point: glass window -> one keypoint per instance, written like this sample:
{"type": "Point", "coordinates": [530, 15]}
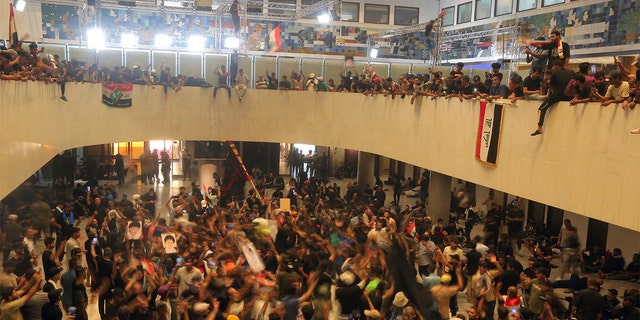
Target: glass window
{"type": "Point", "coordinates": [447, 20]}
{"type": "Point", "coordinates": [376, 13]}
{"type": "Point", "coordinates": [464, 12]}
{"type": "Point", "coordinates": [405, 16]}
{"type": "Point", "coordinates": [350, 12]}
{"type": "Point", "coordinates": [524, 5]}
{"type": "Point", "coordinates": [504, 7]}
{"type": "Point", "coordinates": [551, 2]}
{"type": "Point", "coordinates": [483, 9]}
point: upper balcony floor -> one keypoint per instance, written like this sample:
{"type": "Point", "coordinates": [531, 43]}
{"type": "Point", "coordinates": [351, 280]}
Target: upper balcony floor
{"type": "Point", "coordinates": [585, 162]}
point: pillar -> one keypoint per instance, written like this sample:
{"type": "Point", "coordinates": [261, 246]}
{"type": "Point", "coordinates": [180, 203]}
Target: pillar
{"type": "Point", "coordinates": [439, 196]}
{"type": "Point", "coordinates": [366, 169]}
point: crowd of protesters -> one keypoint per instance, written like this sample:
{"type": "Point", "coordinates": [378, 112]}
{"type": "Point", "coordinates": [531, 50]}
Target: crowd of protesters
{"type": "Point", "coordinates": [578, 87]}
{"type": "Point", "coordinates": [327, 255]}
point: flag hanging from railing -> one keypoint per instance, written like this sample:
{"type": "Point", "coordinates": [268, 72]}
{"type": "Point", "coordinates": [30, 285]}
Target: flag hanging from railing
{"type": "Point", "coordinates": [489, 129]}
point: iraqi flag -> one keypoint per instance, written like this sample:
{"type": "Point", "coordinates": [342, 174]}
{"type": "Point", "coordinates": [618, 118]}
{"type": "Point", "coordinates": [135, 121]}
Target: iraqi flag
{"type": "Point", "coordinates": [13, 32]}
{"type": "Point", "coordinates": [489, 130]}
{"type": "Point", "coordinates": [275, 40]}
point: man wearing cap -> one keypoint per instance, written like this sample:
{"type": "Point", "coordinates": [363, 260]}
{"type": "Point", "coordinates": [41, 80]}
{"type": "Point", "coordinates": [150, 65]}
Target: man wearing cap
{"type": "Point", "coordinates": [610, 302]}
{"type": "Point", "coordinates": [110, 309]}
{"type": "Point", "coordinates": [51, 310]}
{"type": "Point", "coordinates": [52, 276]}
{"type": "Point", "coordinates": [399, 302]}
{"type": "Point", "coordinates": [200, 310]}
{"type": "Point", "coordinates": [349, 293]}
{"type": "Point", "coordinates": [443, 292]}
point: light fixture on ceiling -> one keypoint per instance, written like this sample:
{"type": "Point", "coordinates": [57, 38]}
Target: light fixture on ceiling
{"type": "Point", "coordinates": [162, 41]}
{"type": "Point", "coordinates": [95, 39]}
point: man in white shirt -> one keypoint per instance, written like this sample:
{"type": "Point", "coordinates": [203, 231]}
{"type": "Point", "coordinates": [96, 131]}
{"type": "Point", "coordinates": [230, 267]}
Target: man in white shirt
{"type": "Point", "coordinates": [617, 92]}
{"type": "Point", "coordinates": [424, 254]}
{"type": "Point", "coordinates": [377, 233]}
{"type": "Point", "coordinates": [72, 243]}
{"type": "Point", "coordinates": [481, 247]}
{"type": "Point", "coordinates": [453, 249]}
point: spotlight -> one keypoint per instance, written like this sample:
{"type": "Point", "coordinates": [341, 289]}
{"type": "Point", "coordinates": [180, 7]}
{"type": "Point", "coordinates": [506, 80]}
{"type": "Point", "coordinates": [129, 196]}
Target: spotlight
{"type": "Point", "coordinates": [20, 4]}
{"type": "Point", "coordinates": [373, 53]}
{"type": "Point", "coordinates": [162, 41]}
{"type": "Point", "coordinates": [231, 43]}
{"type": "Point", "coordinates": [324, 18]}
{"type": "Point", "coordinates": [129, 40]}
{"type": "Point", "coordinates": [95, 39]}
{"type": "Point", "coordinates": [196, 43]}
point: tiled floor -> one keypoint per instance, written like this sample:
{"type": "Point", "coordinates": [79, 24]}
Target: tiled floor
{"type": "Point", "coordinates": [164, 192]}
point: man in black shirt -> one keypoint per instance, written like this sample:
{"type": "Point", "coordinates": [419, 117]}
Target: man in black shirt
{"type": "Point", "coordinates": [52, 276]}
{"type": "Point", "coordinates": [223, 80]}
{"type": "Point", "coordinates": [51, 310]}
{"type": "Point", "coordinates": [558, 49]}
{"type": "Point", "coordinates": [284, 84]}
{"type": "Point", "coordinates": [235, 15]}
{"type": "Point", "coordinates": [273, 81]}
{"type": "Point", "coordinates": [583, 91]}
{"type": "Point", "coordinates": [532, 84]}
{"type": "Point", "coordinates": [587, 304]}
{"type": "Point", "coordinates": [560, 78]}
{"type": "Point", "coordinates": [149, 200]}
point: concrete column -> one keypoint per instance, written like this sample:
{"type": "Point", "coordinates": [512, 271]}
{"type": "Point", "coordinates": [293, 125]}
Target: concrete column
{"type": "Point", "coordinates": [439, 196]}
{"type": "Point", "coordinates": [366, 163]}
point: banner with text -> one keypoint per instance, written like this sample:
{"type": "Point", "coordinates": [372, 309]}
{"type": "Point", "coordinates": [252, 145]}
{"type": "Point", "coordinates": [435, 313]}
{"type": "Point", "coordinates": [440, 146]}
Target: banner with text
{"type": "Point", "coordinates": [489, 127]}
{"type": "Point", "coordinates": [117, 94]}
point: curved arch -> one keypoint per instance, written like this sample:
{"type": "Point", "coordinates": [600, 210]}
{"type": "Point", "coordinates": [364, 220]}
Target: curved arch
{"type": "Point", "coordinates": [583, 162]}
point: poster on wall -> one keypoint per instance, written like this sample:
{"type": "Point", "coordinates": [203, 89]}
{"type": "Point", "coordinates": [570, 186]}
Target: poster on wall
{"type": "Point", "coordinates": [489, 129]}
{"type": "Point", "coordinates": [117, 94]}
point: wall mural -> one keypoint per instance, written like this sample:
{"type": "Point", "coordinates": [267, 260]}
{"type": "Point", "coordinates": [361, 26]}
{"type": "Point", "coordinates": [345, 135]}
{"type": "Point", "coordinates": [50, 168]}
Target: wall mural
{"type": "Point", "coordinates": [608, 23]}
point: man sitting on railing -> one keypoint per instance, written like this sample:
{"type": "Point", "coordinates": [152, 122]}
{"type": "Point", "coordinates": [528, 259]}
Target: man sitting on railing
{"type": "Point", "coordinates": [560, 78]}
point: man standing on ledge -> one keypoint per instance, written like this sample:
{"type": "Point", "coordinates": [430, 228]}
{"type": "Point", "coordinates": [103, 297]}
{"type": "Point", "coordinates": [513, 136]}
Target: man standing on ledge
{"type": "Point", "coordinates": [560, 78]}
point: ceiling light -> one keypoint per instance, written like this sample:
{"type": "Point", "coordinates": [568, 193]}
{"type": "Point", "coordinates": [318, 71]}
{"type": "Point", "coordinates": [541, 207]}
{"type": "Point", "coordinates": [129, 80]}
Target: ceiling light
{"type": "Point", "coordinates": [95, 39]}
{"type": "Point", "coordinates": [231, 43]}
{"type": "Point", "coordinates": [324, 18]}
{"type": "Point", "coordinates": [162, 41]}
{"type": "Point", "coordinates": [20, 4]}
{"type": "Point", "coordinates": [129, 40]}
{"type": "Point", "coordinates": [196, 43]}
{"type": "Point", "coordinates": [373, 53]}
